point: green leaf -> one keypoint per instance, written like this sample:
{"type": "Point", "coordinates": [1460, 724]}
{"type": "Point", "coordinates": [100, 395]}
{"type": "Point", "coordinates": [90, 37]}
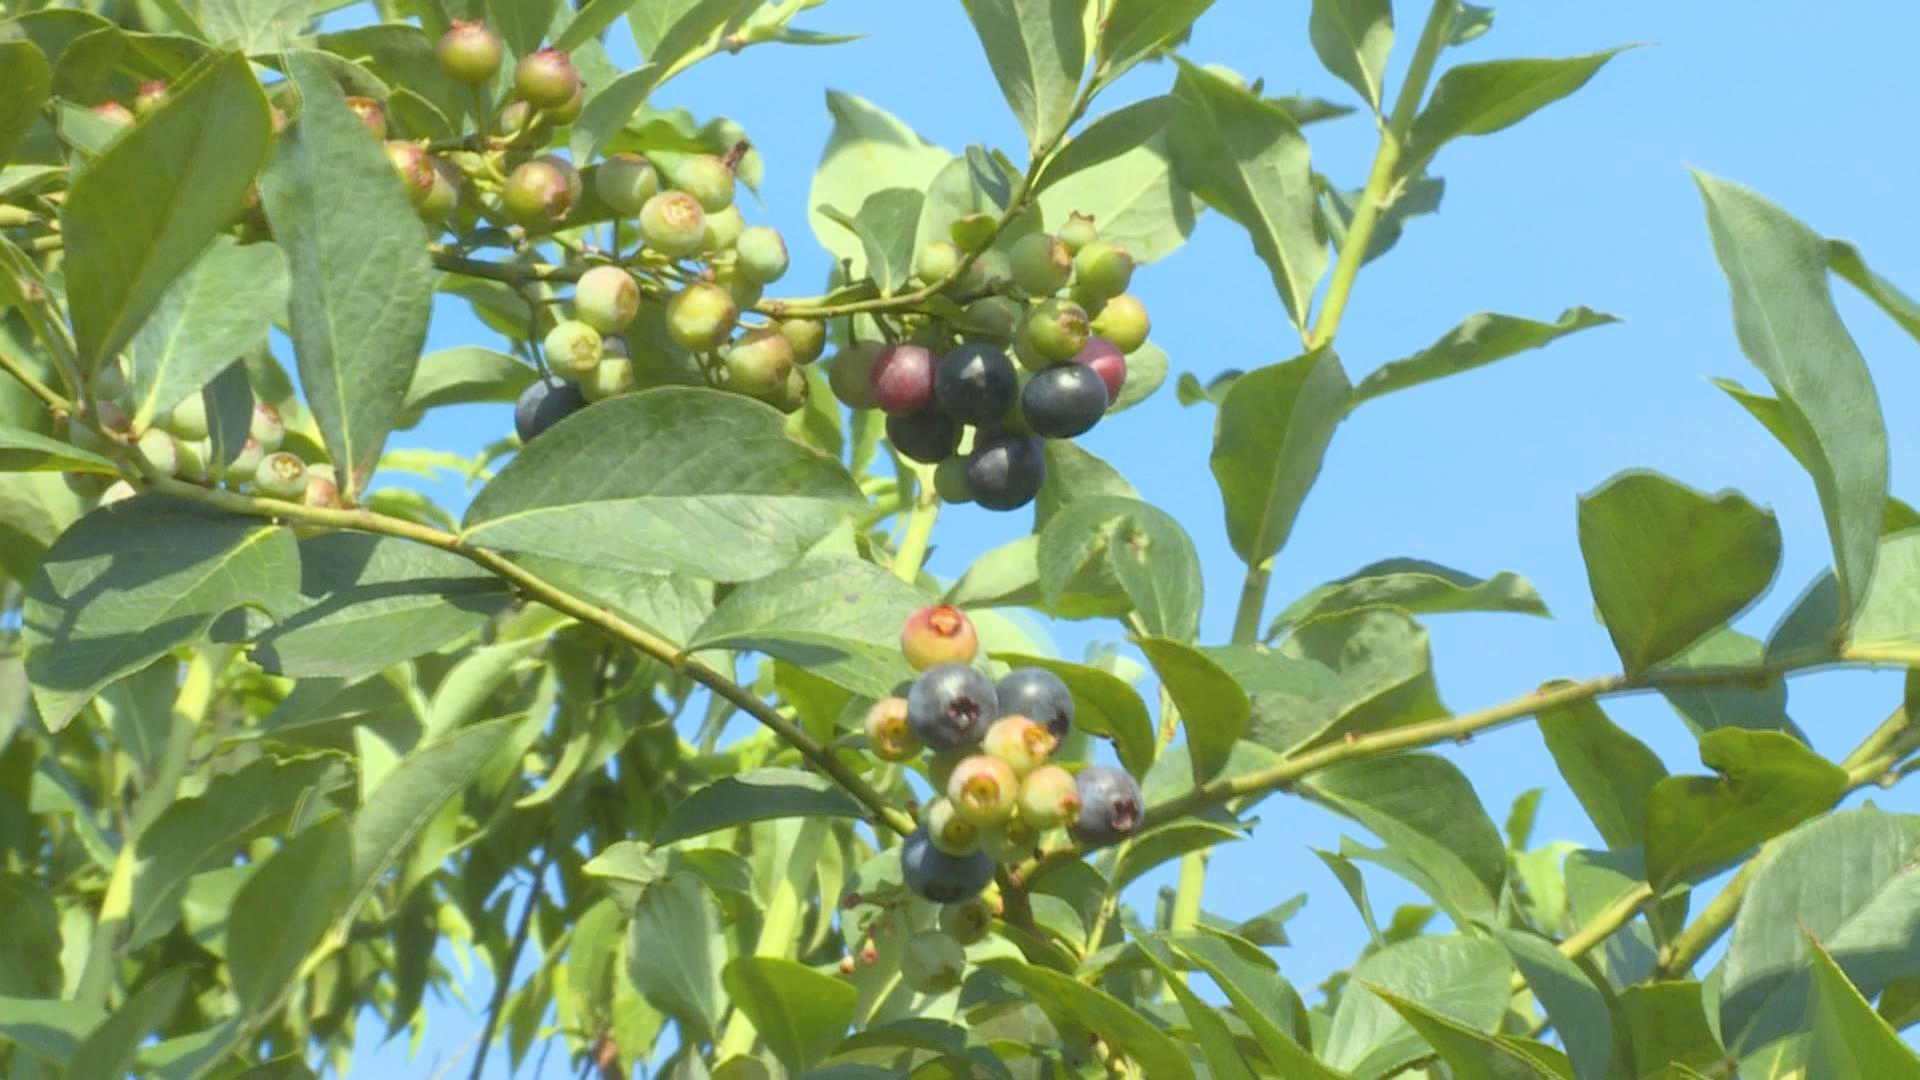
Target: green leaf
{"type": "Point", "coordinates": [1416, 196]}
{"type": "Point", "coordinates": [1665, 1025]}
{"type": "Point", "coordinates": [1461, 978]}
{"type": "Point", "coordinates": [1424, 809]}
{"type": "Point", "coordinates": [1846, 261]}
{"type": "Point", "coordinates": [1888, 623]}
{"type": "Point", "coordinates": [1248, 160]}
{"type": "Point", "coordinates": [1260, 1000]}
{"type": "Point", "coordinates": [370, 602]}
{"type": "Point", "coordinates": [1074, 473]}
{"type": "Point", "coordinates": [1147, 551]}
{"type": "Point", "coordinates": [131, 582]}
{"type": "Point", "coordinates": [1768, 783]}
{"type": "Point", "coordinates": [1848, 1038]}
{"type": "Point", "coordinates": [757, 795]}
{"type": "Point", "coordinates": [30, 451]}
{"type": "Point", "coordinates": [1784, 317]}
{"type": "Point", "coordinates": [362, 283]}
{"type": "Point", "coordinates": [1120, 171]}
{"type": "Point", "coordinates": [284, 909]}
{"type": "Point", "coordinates": [144, 210]}
{"type": "Point", "coordinates": [522, 24]}
{"type": "Point", "coordinates": [594, 16]}
{"type": "Point", "coordinates": [463, 375]}
{"type": "Point", "coordinates": [1355, 672]}
{"type": "Point", "coordinates": [1413, 585]}
{"type": "Point", "coordinates": [1847, 880]}
{"type": "Point", "coordinates": [1213, 709]}
{"type": "Point", "coordinates": [109, 1049]}
{"type": "Point", "coordinates": [1479, 340]}
{"type": "Point", "coordinates": [1479, 99]}
{"type": "Point", "coordinates": [1009, 576]}
{"type": "Point", "coordinates": [48, 1028]}
{"type": "Point", "coordinates": [868, 151]}
{"type": "Point", "coordinates": [1103, 704]}
{"type": "Point", "coordinates": [1352, 39]}
{"type": "Point", "coordinates": [1067, 1000]}
{"type": "Point", "coordinates": [1268, 443]}
{"type": "Point", "coordinates": [29, 943]}
{"type": "Point", "coordinates": [1577, 1006]}
{"type": "Point", "coordinates": [691, 481]}
{"type": "Point", "coordinates": [1209, 1028]}
{"type": "Point", "coordinates": [886, 225]}
{"type": "Point", "coordinates": [1146, 371]}
{"type": "Point", "coordinates": [1644, 536]}
{"type": "Point", "coordinates": [800, 1012]}
{"type": "Point", "coordinates": [29, 80]}
{"type": "Point", "coordinates": [1707, 707]}
{"type": "Point", "coordinates": [1136, 30]}
{"type": "Point", "coordinates": [1164, 843]}
{"type": "Point", "coordinates": [836, 616]}
{"type": "Point", "coordinates": [1610, 771]}
{"type": "Point", "coordinates": [676, 951]}
{"type": "Point", "coordinates": [428, 777]}
{"type": "Point", "coordinates": [1472, 1054]}
{"type": "Point", "coordinates": [220, 308]}
{"type": "Point", "coordinates": [1038, 51]}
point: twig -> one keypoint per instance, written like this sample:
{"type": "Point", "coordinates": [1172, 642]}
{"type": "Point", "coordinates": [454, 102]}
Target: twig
{"type": "Point", "coordinates": [503, 977]}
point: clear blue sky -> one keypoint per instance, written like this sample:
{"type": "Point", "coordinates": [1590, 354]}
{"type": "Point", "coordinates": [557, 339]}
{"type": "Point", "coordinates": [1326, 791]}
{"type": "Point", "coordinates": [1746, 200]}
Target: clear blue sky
{"type": "Point", "coordinates": [1587, 203]}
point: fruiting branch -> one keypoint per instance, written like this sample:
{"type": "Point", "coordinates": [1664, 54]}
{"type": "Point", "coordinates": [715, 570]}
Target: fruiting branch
{"type": "Point", "coordinates": [45, 393]}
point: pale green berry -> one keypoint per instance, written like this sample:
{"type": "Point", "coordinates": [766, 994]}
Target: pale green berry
{"type": "Point", "coordinates": [724, 228]}
{"type": "Point", "coordinates": [281, 475]}
{"type": "Point", "coordinates": [701, 316]}
{"type": "Point", "coordinates": [573, 349]}
{"type": "Point", "coordinates": [674, 224]}
{"type": "Point", "coordinates": [160, 450]}
{"type": "Point", "coordinates": [1124, 322]}
{"type": "Point", "coordinates": [807, 336]}
{"type": "Point", "coordinates": [625, 182]}
{"type": "Point", "coordinates": [759, 363]}
{"type": "Point", "coordinates": [936, 261]}
{"type": "Point", "coordinates": [1078, 232]}
{"type": "Point", "coordinates": [1103, 269]}
{"type": "Point", "coordinates": [613, 375]}
{"type": "Point", "coordinates": [1040, 264]}
{"type": "Point", "coordinates": [188, 420]}
{"type": "Point", "coordinates": [606, 298]}
{"type": "Point", "coordinates": [762, 252]}
{"type": "Point", "coordinates": [706, 178]}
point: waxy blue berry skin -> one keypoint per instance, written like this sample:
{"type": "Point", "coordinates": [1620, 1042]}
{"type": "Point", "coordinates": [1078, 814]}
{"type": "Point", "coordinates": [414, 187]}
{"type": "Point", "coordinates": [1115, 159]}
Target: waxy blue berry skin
{"type": "Point", "coordinates": [1038, 694]}
{"type": "Point", "coordinates": [976, 384]}
{"type": "Point", "coordinates": [950, 706]}
{"type": "Point", "coordinates": [1110, 805]}
{"type": "Point", "coordinates": [1064, 401]}
{"type": "Point", "coordinates": [1005, 470]}
{"type": "Point", "coordinates": [928, 436]}
{"type": "Point", "coordinates": [544, 404]}
{"type": "Point", "coordinates": [938, 876]}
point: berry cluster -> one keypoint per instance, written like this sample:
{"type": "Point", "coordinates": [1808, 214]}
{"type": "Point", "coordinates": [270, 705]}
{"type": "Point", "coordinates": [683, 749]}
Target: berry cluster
{"type": "Point", "coordinates": [1061, 301]}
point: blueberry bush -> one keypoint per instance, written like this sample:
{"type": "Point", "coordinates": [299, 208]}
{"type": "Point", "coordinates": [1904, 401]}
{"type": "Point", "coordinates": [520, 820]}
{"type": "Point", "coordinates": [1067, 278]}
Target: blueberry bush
{"type": "Point", "coordinates": [287, 750]}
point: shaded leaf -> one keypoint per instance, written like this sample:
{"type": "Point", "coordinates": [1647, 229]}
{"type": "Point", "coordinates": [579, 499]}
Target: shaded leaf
{"type": "Point", "coordinates": [221, 308]}
{"type": "Point", "coordinates": [29, 80]}
{"type": "Point", "coordinates": [284, 909]}
{"type": "Point", "coordinates": [836, 616]}
{"type": "Point", "coordinates": [1847, 262]}
{"type": "Point", "coordinates": [1461, 978]}
{"type": "Point", "coordinates": [1576, 1006]}
{"type": "Point", "coordinates": [1472, 1054]}
{"type": "Point", "coordinates": [1610, 771]}
{"type": "Point", "coordinates": [1214, 710]}
{"type": "Point", "coordinates": [1664, 1024]}
{"type": "Point", "coordinates": [675, 952]}
{"type": "Point", "coordinates": [109, 1049]}
{"type": "Point", "coordinates": [1261, 1000]}
{"type": "Point", "coordinates": [1768, 783]}
{"type": "Point", "coordinates": [1145, 549]}
{"type": "Point", "coordinates": [1209, 1028]}
{"type": "Point", "coordinates": [1848, 1038]}
{"type": "Point", "coordinates": [463, 375]}
{"type": "Point", "coordinates": [1135, 30]}
{"type": "Point", "coordinates": [868, 150]}
{"type": "Point", "coordinates": [1119, 170]}
{"type": "Point", "coordinates": [1479, 340]}
{"type": "Point", "coordinates": [886, 224]}
{"type": "Point", "coordinates": [1355, 672]}
{"type": "Point", "coordinates": [758, 795]}
{"type": "Point", "coordinates": [30, 451]}
{"type": "Point", "coordinates": [1066, 999]}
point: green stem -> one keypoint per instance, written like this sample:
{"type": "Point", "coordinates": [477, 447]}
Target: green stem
{"type": "Point", "coordinates": [778, 926]}
{"type": "Point", "coordinates": [503, 978]}
{"type": "Point", "coordinates": [53, 399]}
{"type": "Point", "coordinates": [913, 543]}
{"type": "Point", "coordinates": [1253, 601]}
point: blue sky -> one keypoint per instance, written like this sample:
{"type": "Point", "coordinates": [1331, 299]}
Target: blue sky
{"type": "Point", "coordinates": [1587, 203]}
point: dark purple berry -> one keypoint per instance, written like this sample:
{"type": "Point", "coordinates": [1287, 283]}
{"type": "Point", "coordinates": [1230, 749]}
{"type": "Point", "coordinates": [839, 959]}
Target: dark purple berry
{"type": "Point", "coordinates": [1110, 806]}
{"type": "Point", "coordinates": [928, 436]}
{"type": "Point", "coordinates": [1039, 694]}
{"type": "Point", "coordinates": [1063, 401]}
{"type": "Point", "coordinates": [544, 404]}
{"type": "Point", "coordinates": [976, 384]}
{"type": "Point", "coordinates": [938, 876]}
{"type": "Point", "coordinates": [902, 378]}
{"type": "Point", "coordinates": [950, 706]}
{"type": "Point", "coordinates": [1005, 471]}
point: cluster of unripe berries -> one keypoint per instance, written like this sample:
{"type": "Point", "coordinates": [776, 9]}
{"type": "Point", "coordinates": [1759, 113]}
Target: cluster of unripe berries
{"type": "Point", "coordinates": [996, 791]}
{"type": "Point", "coordinates": [1061, 303]}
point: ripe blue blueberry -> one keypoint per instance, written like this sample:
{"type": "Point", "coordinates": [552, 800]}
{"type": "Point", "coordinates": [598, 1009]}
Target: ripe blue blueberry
{"type": "Point", "coordinates": [1037, 693]}
{"type": "Point", "coordinates": [1005, 470]}
{"type": "Point", "coordinates": [545, 404]}
{"type": "Point", "coordinates": [950, 706]}
{"type": "Point", "coordinates": [1064, 401]}
{"type": "Point", "coordinates": [928, 436]}
{"type": "Point", "coordinates": [976, 384]}
{"type": "Point", "coordinates": [1110, 805]}
{"type": "Point", "coordinates": [938, 876]}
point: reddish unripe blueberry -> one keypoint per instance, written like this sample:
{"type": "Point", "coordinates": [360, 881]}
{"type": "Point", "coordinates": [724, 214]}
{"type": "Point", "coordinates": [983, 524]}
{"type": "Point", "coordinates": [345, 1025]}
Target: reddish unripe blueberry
{"type": "Point", "coordinates": [371, 113]}
{"type": "Point", "coordinates": [758, 364]}
{"type": "Point", "coordinates": [723, 229]}
{"type": "Point", "coordinates": [949, 831]}
{"type": "Point", "coordinates": [1103, 269]}
{"type": "Point", "coordinates": [674, 224]}
{"type": "Point", "coordinates": [966, 921]}
{"type": "Point", "coordinates": [846, 965]}
{"type": "Point", "coordinates": [281, 475]}
{"type": "Point", "coordinates": [573, 349]}
{"type": "Point", "coordinates": [538, 194]}
{"type": "Point", "coordinates": [701, 316]}
{"type": "Point", "coordinates": [938, 876]}
{"type": "Point", "coordinates": [113, 112]}
{"type": "Point", "coordinates": [1009, 843]}
{"type": "Point", "coordinates": [149, 96]}
{"type": "Point", "coordinates": [415, 169]}
{"type": "Point", "coordinates": [1110, 805]}
{"type": "Point", "coordinates": [323, 487]}
{"type": "Point", "coordinates": [625, 182]}
{"type": "Point", "coordinates": [1019, 741]}
{"type": "Point", "coordinates": [606, 298]}
{"type": "Point", "coordinates": [983, 789]}
{"type": "Point", "coordinates": [933, 963]}
{"type": "Point", "coordinates": [545, 77]}
{"type": "Point", "coordinates": [1108, 361]}
{"type": "Point", "coordinates": [869, 954]}
{"type": "Point", "coordinates": [468, 52]}
{"type": "Point", "coordinates": [1049, 797]}
{"type": "Point", "coordinates": [611, 377]}
{"type": "Point", "coordinates": [707, 178]}
{"type": "Point", "coordinates": [1040, 264]}
{"type": "Point", "coordinates": [1123, 321]}
{"type": "Point", "coordinates": [888, 734]}
{"type": "Point", "coordinates": [938, 634]}
{"type": "Point", "coordinates": [928, 436]}
{"type": "Point", "coordinates": [762, 252]}
{"type": "Point", "coordinates": [807, 336]}
{"type": "Point", "coordinates": [1056, 329]}
{"type": "Point", "coordinates": [850, 374]}
{"type": "Point", "coordinates": [903, 377]}
{"type": "Point", "coordinates": [1078, 232]}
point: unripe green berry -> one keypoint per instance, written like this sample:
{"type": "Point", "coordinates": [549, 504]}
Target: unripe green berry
{"type": "Point", "coordinates": [195, 460]}
{"type": "Point", "coordinates": [1078, 232]}
{"type": "Point", "coordinates": [524, 124]}
{"type": "Point", "coordinates": [950, 481]}
{"type": "Point", "coordinates": [933, 963]}
{"type": "Point", "coordinates": [673, 224]}
{"type": "Point", "coordinates": [538, 194]}
{"type": "Point", "coordinates": [625, 182]}
{"type": "Point", "coordinates": [723, 229]}
{"type": "Point", "coordinates": [701, 316]}
{"type": "Point", "coordinates": [995, 315]}
{"type": "Point", "coordinates": [266, 427]}
{"type": "Point", "coordinates": [708, 179]}
{"type": "Point", "coordinates": [936, 261]}
{"type": "Point", "coordinates": [849, 374]}
{"type": "Point", "coordinates": [1009, 843]}
{"type": "Point", "coordinates": [745, 291]}
{"type": "Point", "coordinates": [573, 349]}
{"type": "Point", "coordinates": [1040, 264]}
{"type": "Point", "coordinates": [762, 252]}
{"type": "Point", "coordinates": [1048, 798]}
{"type": "Point", "coordinates": [160, 451]}
{"type": "Point", "coordinates": [1103, 269]}
{"type": "Point", "coordinates": [983, 790]}
{"type": "Point", "coordinates": [606, 298]}
{"type": "Point", "coordinates": [281, 475]}
{"type": "Point", "coordinates": [443, 198]}
{"type": "Point", "coordinates": [1020, 742]}
{"type": "Point", "coordinates": [758, 364]}
{"type": "Point", "coordinates": [967, 921]}
{"type": "Point", "coordinates": [794, 396]}
{"type": "Point", "coordinates": [117, 492]}
{"type": "Point", "coordinates": [149, 96]}
{"type": "Point", "coordinates": [545, 77]}
{"type": "Point", "coordinates": [241, 468]}
{"type": "Point", "coordinates": [808, 337]}
{"type": "Point", "coordinates": [371, 113]}
{"type": "Point", "coordinates": [188, 420]}
{"type": "Point", "coordinates": [1056, 329]}
{"type": "Point", "coordinates": [949, 831]}
{"type": "Point", "coordinates": [889, 735]}
{"type": "Point", "coordinates": [468, 52]}
{"type": "Point", "coordinates": [1124, 322]}
{"type": "Point", "coordinates": [415, 169]}
{"type": "Point", "coordinates": [570, 111]}
{"type": "Point", "coordinates": [576, 188]}
{"type": "Point", "coordinates": [611, 376]}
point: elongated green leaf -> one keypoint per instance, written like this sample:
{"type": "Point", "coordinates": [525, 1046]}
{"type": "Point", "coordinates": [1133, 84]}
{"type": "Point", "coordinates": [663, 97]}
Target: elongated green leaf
{"type": "Point", "coordinates": [128, 583]}
{"type": "Point", "coordinates": [144, 210]}
{"type": "Point", "coordinates": [1577, 1007]}
{"type": "Point", "coordinates": [1248, 160]}
{"type": "Point", "coordinates": [29, 942]}
{"type": "Point", "coordinates": [1145, 549]}
{"type": "Point", "coordinates": [48, 1028]}
{"type": "Point", "coordinates": [1038, 51]}
{"type": "Point", "coordinates": [1461, 978]}
{"type": "Point", "coordinates": [1850, 880]}
{"type": "Point", "coordinates": [869, 150]}
{"type": "Point", "coordinates": [1425, 810]}
{"type": "Point", "coordinates": [220, 308]}
{"type": "Point", "coordinates": [1135, 30]}
{"type": "Point", "coordinates": [692, 481]}
{"type": "Point", "coordinates": [1103, 704]}
{"type": "Point", "coordinates": [1067, 999]}
{"type": "Point", "coordinates": [1164, 843]}
{"type": "Point", "coordinates": [758, 795]}
{"type": "Point", "coordinates": [1214, 710]}
{"type": "Point", "coordinates": [29, 80]}
{"type": "Point", "coordinates": [464, 375]}
{"type": "Point", "coordinates": [1479, 99]}
{"type": "Point", "coordinates": [1352, 39]}
{"type": "Point", "coordinates": [1480, 340]}
{"type": "Point", "coordinates": [1643, 535]}
{"type": "Point", "coordinates": [1009, 576]}
{"type": "Point", "coordinates": [1414, 585]}
{"type": "Point", "coordinates": [1848, 1038]}
{"type": "Point", "coordinates": [1363, 670]}
{"type": "Point", "coordinates": [1260, 1000]}
{"type": "Point", "coordinates": [1768, 783]}
{"type": "Point", "coordinates": [1472, 1054]}
{"type": "Point", "coordinates": [886, 224]}
{"type": "Point", "coordinates": [1210, 1029]}
{"type": "Point", "coordinates": [109, 1049]}
{"type": "Point", "coordinates": [800, 1012]}
{"type": "Point", "coordinates": [1416, 196]}
{"type": "Point", "coordinates": [1707, 707]}
{"type": "Point", "coordinates": [676, 953]}
{"type": "Point", "coordinates": [836, 616]}
{"type": "Point", "coordinates": [1269, 441]}
{"type": "Point", "coordinates": [370, 602]}
{"type": "Point", "coordinates": [1073, 474]}
{"type": "Point", "coordinates": [1784, 317]}
{"type": "Point", "coordinates": [1888, 624]}
{"type": "Point", "coordinates": [1847, 262]}
{"type": "Point", "coordinates": [1120, 172]}
{"type": "Point", "coordinates": [522, 24]}
{"type": "Point", "coordinates": [1610, 771]}
{"type": "Point", "coordinates": [30, 451]}
{"type": "Point", "coordinates": [1664, 1024]}
{"type": "Point", "coordinates": [362, 283]}
{"type": "Point", "coordinates": [283, 910]}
